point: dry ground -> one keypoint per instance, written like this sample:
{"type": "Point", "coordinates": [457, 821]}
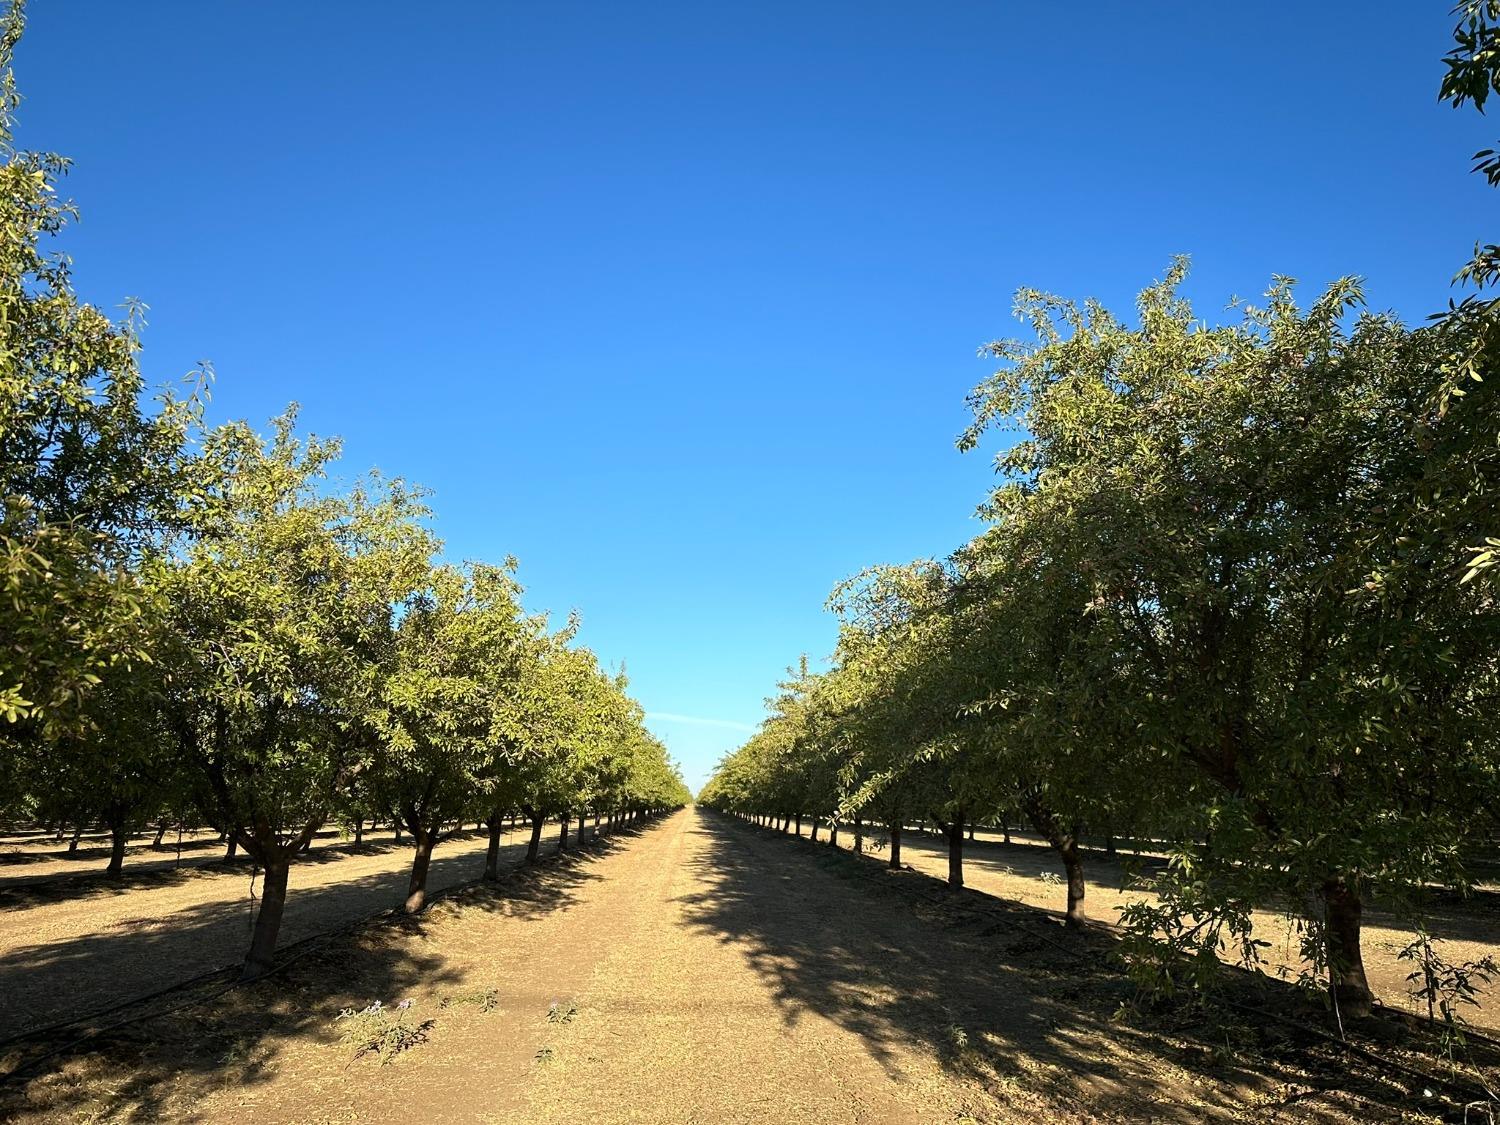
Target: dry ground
{"type": "Point", "coordinates": [71, 946]}
{"type": "Point", "coordinates": [1464, 930]}
{"type": "Point", "coordinates": [707, 971]}
{"type": "Point", "coordinates": [35, 857]}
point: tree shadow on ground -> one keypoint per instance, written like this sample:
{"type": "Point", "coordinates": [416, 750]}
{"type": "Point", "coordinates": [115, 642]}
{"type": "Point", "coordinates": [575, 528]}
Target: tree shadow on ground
{"type": "Point", "coordinates": [997, 990]}
{"type": "Point", "coordinates": [49, 980]}
{"type": "Point", "coordinates": [208, 1037]}
{"type": "Point", "coordinates": [1474, 916]}
{"type": "Point", "coordinates": [148, 867]}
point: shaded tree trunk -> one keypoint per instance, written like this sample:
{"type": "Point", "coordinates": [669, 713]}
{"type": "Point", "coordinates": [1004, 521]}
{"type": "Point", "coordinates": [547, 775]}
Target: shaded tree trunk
{"type": "Point", "coordinates": [118, 837]}
{"type": "Point", "coordinates": [73, 843]}
{"type": "Point", "coordinates": [833, 833]}
{"type": "Point", "coordinates": [1065, 842]}
{"type": "Point", "coordinates": [798, 831]}
{"type": "Point", "coordinates": [1342, 912]}
{"type": "Point", "coordinates": [359, 830]}
{"type": "Point", "coordinates": [562, 839]}
{"type": "Point", "coordinates": [815, 830]}
{"type": "Point", "coordinates": [955, 833]}
{"type": "Point", "coordinates": [533, 847]}
{"type": "Point", "coordinates": [416, 885]}
{"type": "Point", "coordinates": [492, 855]}
{"type": "Point", "coordinates": [233, 847]}
{"type": "Point", "coordinates": [267, 918]}
{"type": "Point", "coordinates": [895, 830]}
{"type": "Point", "coordinates": [161, 832]}
{"type": "Point", "coordinates": [859, 835]}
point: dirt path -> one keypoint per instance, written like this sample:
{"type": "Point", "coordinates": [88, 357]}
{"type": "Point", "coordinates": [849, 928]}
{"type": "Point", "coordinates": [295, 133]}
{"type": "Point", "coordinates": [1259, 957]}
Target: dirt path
{"type": "Point", "coordinates": [699, 971]}
{"type": "Point", "coordinates": [71, 948]}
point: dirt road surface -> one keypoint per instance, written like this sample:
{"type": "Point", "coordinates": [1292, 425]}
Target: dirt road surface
{"type": "Point", "coordinates": [699, 970]}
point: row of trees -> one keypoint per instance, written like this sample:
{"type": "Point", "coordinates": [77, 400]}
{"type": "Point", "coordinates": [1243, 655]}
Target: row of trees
{"type": "Point", "coordinates": [1236, 596]}
{"type": "Point", "coordinates": [201, 620]}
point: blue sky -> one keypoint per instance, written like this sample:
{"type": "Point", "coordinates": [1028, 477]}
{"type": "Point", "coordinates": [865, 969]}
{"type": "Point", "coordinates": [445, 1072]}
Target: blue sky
{"type": "Point", "coordinates": [679, 302]}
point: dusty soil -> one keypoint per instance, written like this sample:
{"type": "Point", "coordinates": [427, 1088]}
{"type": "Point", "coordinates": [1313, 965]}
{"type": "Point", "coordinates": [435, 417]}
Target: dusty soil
{"type": "Point", "coordinates": [72, 946]}
{"type": "Point", "coordinates": [33, 857]}
{"type": "Point", "coordinates": [1464, 930]}
{"type": "Point", "coordinates": [706, 971]}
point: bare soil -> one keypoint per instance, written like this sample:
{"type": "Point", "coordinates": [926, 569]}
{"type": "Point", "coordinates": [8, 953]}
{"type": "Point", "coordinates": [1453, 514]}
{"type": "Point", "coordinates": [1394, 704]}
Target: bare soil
{"type": "Point", "coordinates": [702, 970]}
{"type": "Point", "coordinates": [74, 945]}
{"type": "Point", "coordinates": [1464, 930]}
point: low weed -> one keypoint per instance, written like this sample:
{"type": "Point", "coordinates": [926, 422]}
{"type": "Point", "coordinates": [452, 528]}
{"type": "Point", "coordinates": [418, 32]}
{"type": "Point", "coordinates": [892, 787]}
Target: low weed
{"type": "Point", "coordinates": [381, 1031]}
{"type": "Point", "coordinates": [485, 999]}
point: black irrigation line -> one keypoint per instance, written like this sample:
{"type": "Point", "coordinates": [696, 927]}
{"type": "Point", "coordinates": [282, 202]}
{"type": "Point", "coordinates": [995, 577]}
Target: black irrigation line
{"type": "Point", "coordinates": [296, 950]}
{"type": "Point", "coordinates": [1477, 1095]}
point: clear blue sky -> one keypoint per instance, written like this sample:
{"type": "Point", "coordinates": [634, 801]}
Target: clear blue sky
{"type": "Point", "coordinates": [678, 302]}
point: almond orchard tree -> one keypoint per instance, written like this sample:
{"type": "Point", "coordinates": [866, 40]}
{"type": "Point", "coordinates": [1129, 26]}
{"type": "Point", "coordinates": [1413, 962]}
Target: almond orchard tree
{"type": "Point", "coordinates": [458, 654]}
{"type": "Point", "coordinates": [553, 721]}
{"type": "Point", "coordinates": [90, 472]}
{"type": "Point", "coordinates": [283, 602]}
{"type": "Point", "coordinates": [1217, 488]}
{"type": "Point", "coordinates": [1222, 598]}
{"type": "Point", "coordinates": [572, 738]}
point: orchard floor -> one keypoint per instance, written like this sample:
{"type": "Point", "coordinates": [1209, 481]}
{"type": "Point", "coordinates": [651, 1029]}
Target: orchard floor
{"type": "Point", "coordinates": [73, 945]}
{"type": "Point", "coordinates": [1462, 929]}
{"type": "Point", "coordinates": [701, 970]}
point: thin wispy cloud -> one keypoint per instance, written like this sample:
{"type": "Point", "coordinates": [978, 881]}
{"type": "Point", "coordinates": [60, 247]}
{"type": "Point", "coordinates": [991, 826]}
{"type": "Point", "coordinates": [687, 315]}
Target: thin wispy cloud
{"type": "Point", "coordinates": [697, 721]}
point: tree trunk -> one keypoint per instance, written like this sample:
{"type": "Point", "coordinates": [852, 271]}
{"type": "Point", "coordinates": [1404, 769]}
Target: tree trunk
{"type": "Point", "coordinates": [956, 854]}
{"type": "Point", "coordinates": [815, 830]}
{"type": "Point", "coordinates": [895, 860]}
{"type": "Point", "coordinates": [859, 835]}
{"type": "Point", "coordinates": [233, 849]}
{"type": "Point", "coordinates": [833, 833]}
{"type": "Point", "coordinates": [799, 824]}
{"type": "Point", "coordinates": [533, 848]}
{"type": "Point", "coordinates": [1076, 915]}
{"type": "Point", "coordinates": [492, 856]}
{"type": "Point", "coordinates": [161, 831]}
{"type": "Point", "coordinates": [359, 830]}
{"type": "Point", "coordinates": [267, 919]}
{"type": "Point", "coordinates": [1005, 828]}
{"type": "Point", "coordinates": [1045, 821]}
{"type": "Point", "coordinates": [118, 837]}
{"type": "Point", "coordinates": [416, 886]}
{"type": "Point", "coordinates": [1110, 850]}
{"type": "Point", "coordinates": [73, 843]}
{"type": "Point", "coordinates": [562, 840]}
{"type": "Point", "coordinates": [1342, 910]}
